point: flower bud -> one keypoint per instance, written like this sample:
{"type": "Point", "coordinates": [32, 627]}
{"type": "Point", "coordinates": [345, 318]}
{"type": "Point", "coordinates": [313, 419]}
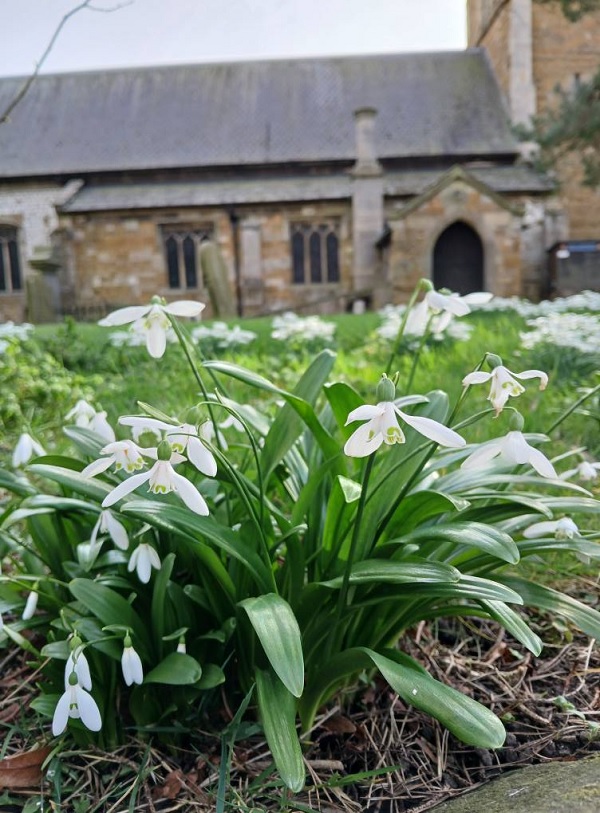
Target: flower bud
{"type": "Point", "coordinates": [194, 416]}
{"type": "Point", "coordinates": [493, 360]}
{"type": "Point", "coordinates": [517, 422]}
{"type": "Point", "coordinates": [73, 679]}
{"type": "Point", "coordinates": [386, 389]}
{"type": "Point", "coordinates": [75, 642]}
{"type": "Point", "coordinates": [127, 641]}
{"type": "Point", "coordinates": [157, 300]}
{"type": "Point", "coordinates": [164, 450]}
{"type": "Point", "coordinates": [427, 285]}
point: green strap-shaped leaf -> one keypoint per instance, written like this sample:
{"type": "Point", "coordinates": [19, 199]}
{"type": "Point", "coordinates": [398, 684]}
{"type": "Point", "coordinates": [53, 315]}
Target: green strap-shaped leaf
{"type": "Point", "coordinates": [406, 571]}
{"type": "Point", "coordinates": [545, 598]}
{"type": "Point", "coordinates": [464, 717]}
{"type": "Point", "coordinates": [467, 535]}
{"type": "Point", "coordinates": [513, 622]}
{"type": "Point", "coordinates": [177, 669]}
{"type": "Point", "coordinates": [110, 608]}
{"type": "Point", "coordinates": [277, 709]}
{"type": "Point", "coordinates": [275, 624]}
{"type": "Point", "coordinates": [88, 486]}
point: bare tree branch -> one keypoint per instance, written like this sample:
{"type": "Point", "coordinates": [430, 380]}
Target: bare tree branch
{"type": "Point", "coordinates": [31, 79]}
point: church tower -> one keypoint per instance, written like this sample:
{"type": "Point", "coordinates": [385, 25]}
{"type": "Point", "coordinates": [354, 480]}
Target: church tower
{"type": "Point", "coordinates": [533, 49]}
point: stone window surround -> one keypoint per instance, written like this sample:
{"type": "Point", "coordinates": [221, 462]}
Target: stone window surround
{"type": "Point", "coordinates": [186, 267]}
{"type": "Point", "coordinates": [10, 232]}
{"type": "Point", "coordinates": [329, 271]}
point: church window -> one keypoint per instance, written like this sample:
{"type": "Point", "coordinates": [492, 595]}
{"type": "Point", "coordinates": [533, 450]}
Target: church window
{"type": "Point", "coordinates": [10, 263]}
{"type": "Point", "coordinates": [181, 245]}
{"type": "Point", "coordinates": [315, 253]}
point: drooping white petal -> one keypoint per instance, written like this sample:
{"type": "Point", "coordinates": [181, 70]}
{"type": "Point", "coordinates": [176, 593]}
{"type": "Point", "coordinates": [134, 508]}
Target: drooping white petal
{"type": "Point", "coordinates": [539, 529]}
{"type": "Point", "coordinates": [123, 316]}
{"type": "Point", "coordinates": [156, 339]}
{"type": "Point", "coordinates": [142, 560]}
{"type": "Point", "coordinates": [515, 448]}
{"type": "Point", "coordinates": [541, 464]}
{"type": "Point", "coordinates": [190, 494]}
{"type": "Point", "coordinates": [101, 427]}
{"type": "Point", "coordinates": [61, 713]}
{"type": "Point", "coordinates": [477, 298]}
{"type": "Point", "coordinates": [140, 424]}
{"type": "Point", "coordinates": [131, 664]}
{"type": "Point", "coordinates": [117, 531]}
{"type": "Point", "coordinates": [78, 663]}
{"type": "Point", "coordinates": [201, 457]}
{"type": "Point", "coordinates": [483, 455]}
{"type": "Point", "coordinates": [363, 441]}
{"type": "Point", "coordinates": [126, 487]}
{"type": "Point", "coordinates": [433, 430]}
{"type": "Point", "coordinates": [23, 450]}
{"type": "Point", "coordinates": [534, 374]}
{"type": "Point", "coordinates": [388, 425]}
{"type": "Point", "coordinates": [365, 412]}
{"type": "Point", "coordinates": [98, 466]}
{"type": "Point", "coordinates": [184, 307]}
{"type": "Point", "coordinates": [88, 709]}
{"type": "Point", "coordinates": [452, 303]}
{"type": "Point", "coordinates": [476, 377]}
{"type": "Point", "coordinates": [30, 605]}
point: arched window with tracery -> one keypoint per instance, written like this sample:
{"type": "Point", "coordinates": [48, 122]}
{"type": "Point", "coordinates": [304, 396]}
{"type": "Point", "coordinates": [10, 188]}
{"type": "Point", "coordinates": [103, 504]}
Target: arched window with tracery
{"type": "Point", "coordinates": [10, 263]}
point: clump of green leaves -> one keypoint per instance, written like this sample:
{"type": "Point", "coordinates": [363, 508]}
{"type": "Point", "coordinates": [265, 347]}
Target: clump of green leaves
{"type": "Point", "coordinates": [305, 573]}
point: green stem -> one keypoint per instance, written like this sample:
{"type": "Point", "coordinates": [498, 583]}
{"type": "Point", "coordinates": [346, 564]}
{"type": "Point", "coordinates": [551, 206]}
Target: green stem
{"type": "Point", "coordinates": [343, 596]}
{"type": "Point", "coordinates": [417, 354]}
{"type": "Point", "coordinates": [398, 339]}
{"type": "Point", "coordinates": [572, 408]}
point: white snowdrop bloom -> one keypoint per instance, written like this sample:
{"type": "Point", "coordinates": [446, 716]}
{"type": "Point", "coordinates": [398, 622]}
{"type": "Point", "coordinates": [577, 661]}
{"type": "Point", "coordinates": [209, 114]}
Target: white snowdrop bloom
{"type": "Point", "coordinates": [563, 528]}
{"type": "Point", "coordinates": [78, 663]}
{"type": "Point", "coordinates": [382, 427]}
{"type": "Point", "coordinates": [108, 524]}
{"type": "Point", "coordinates": [181, 647]}
{"type": "Point", "coordinates": [30, 605]}
{"type": "Point", "coordinates": [142, 560]}
{"type": "Point", "coordinates": [82, 413]}
{"type": "Point", "coordinates": [290, 326]}
{"type": "Point", "coordinates": [124, 454]}
{"type": "Point", "coordinates": [101, 426]}
{"type": "Point", "coordinates": [153, 320]}
{"type": "Point", "coordinates": [585, 471]}
{"type": "Point", "coordinates": [26, 448]}
{"type": "Point", "coordinates": [131, 664]}
{"type": "Point", "coordinates": [504, 383]}
{"type": "Point", "coordinates": [512, 449]}
{"type": "Point", "coordinates": [183, 438]}
{"type": "Point", "coordinates": [76, 702]}
{"type": "Point", "coordinates": [162, 479]}
{"type": "Point", "coordinates": [223, 335]}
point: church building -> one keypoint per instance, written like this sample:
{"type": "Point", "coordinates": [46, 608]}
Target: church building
{"type": "Point", "coordinates": [321, 181]}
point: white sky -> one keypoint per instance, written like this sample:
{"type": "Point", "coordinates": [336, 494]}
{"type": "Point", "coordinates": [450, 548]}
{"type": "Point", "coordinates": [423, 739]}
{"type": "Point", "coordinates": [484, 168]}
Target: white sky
{"type": "Point", "coordinates": [151, 32]}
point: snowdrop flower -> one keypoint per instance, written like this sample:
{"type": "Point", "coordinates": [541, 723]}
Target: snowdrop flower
{"type": "Point", "coordinates": [584, 471]}
{"type": "Point", "coordinates": [153, 320]}
{"type": "Point", "coordinates": [78, 703]}
{"type": "Point", "coordinates": [125, 454]}
{"type": "Point", "coordinates": [181, 647]}
{"type": "Point", "coordinates": [382, 425]}
{"type": "Point", "coordinates": [30, 605]}
{"type": "Point", "coordinates": [131, 663]}
{"type": "Point", "coordinates": [108, 524]}
{"type": "Point", "coordinates": [82, 413]}
{"type": "Point", "coordinates": [184, 439]}
{"type": "Point", "coordinates": [504, 383]}
{"type": "Point", "coordinates": [101, 426]}
{"type": "Point", "coordinates": [162, 478]}
{"type": "Point", "coordinates": [450, 305]}
{"type": "Point", "coordinates": [77, 663]}
{"type": "Point", "coordinates": [25, 449]}
{"type": "Point", "coordinates": [512, 449]}
{"type": "Point", "coordinates": [142, 560]}
{"type": "Point", "coordinates": [563, 528]}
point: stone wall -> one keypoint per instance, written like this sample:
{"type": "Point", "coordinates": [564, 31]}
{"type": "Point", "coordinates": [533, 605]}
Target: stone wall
{"type": "Point", "coordinates": [415, 231]}
{"type": "Point", "coordinates": [31, 208]}
{"type": "Point", "coordinates": [117, 258]}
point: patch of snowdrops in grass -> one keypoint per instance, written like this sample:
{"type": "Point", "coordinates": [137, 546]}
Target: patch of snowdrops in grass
{"type": "Point", "coordinates": [273, 546]}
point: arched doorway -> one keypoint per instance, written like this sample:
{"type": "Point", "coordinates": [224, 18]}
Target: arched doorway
{"type": "Point", "coordinates": [458, 259]}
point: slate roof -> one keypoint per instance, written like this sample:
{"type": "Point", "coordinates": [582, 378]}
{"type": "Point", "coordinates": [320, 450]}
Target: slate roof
{"type": "Point", "coordinates": [151, 195]}
{"type": "Point", "coordinates": [253, 113]}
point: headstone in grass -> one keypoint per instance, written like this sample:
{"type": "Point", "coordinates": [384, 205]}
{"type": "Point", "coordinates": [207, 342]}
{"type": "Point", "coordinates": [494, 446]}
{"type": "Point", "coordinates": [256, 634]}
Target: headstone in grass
{"type": "Point", "coordinates": [216, 280]}
{"type": "Point", "coordinates": [554, 787]}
